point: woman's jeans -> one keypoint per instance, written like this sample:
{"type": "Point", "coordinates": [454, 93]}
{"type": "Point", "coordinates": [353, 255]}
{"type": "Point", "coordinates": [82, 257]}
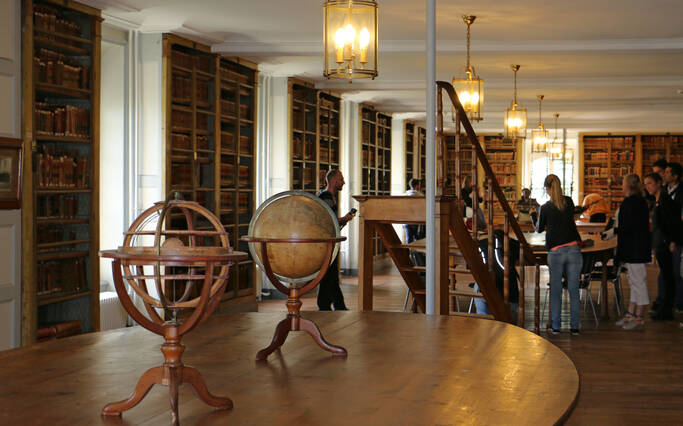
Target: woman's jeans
{"type": "Point", "coordinates": [565, 262]}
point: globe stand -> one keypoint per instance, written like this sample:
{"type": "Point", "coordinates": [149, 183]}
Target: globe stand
{"type": "Point", "coordinates": [294, 321]}
{"type": "Point", "coordinates": [198, 264]}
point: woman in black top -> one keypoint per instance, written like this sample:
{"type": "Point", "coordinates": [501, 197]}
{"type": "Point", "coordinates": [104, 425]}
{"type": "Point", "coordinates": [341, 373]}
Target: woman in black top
{"type": "Point", "coordinates": [633, 248]}
{"type": "Point", "coordinates": [564, 254]}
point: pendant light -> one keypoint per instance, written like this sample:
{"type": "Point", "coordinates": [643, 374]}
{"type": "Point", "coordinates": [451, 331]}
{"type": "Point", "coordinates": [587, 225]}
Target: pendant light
{"type": "Point", "coordinates": [515, 117]}
{"type": "Point", "coordinates": [555, 147]}
{"type": "Point", "coordinates": [350, 39]}
{"type": "Point", "coordinates": [470, 88]}
{"type": "Point", "coordinates": [539, 136]}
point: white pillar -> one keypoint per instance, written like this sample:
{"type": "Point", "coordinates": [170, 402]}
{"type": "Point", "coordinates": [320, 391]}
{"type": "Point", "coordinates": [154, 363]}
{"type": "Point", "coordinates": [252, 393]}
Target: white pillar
{"type": "Point", "coordinates": [431, 127]}
{"type": "Point", "coordinates": [350, 168]}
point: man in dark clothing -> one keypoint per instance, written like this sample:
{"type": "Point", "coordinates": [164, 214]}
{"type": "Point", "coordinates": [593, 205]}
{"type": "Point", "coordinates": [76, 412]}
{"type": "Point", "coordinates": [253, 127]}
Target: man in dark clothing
{"type": "Point", "coordinates": [329, 291]}
{"type": "Point", "coordinates": [666, 234]}
{"type": "Point", "coordinates": [672, 176]}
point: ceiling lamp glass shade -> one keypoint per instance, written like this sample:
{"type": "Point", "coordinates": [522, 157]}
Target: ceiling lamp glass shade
{"type": "Point", "coordinates": [350, 39]}
{"type": "Point", "coordinates": [569, 156]}
{"type": "Point", "coordinates": [515, 117]}
{"type": "Point", "coordinates": [555, 147]}
{"type": "Point", "coordinates": [539, 136]}
{"type": "Point", "coordinates": [470, 88]}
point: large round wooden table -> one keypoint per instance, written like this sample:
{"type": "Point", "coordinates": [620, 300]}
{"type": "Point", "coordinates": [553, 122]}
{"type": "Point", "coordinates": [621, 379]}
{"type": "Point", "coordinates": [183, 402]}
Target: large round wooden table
{"type": "Point", "coordinates": [401, 369]}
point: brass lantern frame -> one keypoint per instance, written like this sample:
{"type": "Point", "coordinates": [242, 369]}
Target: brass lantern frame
{"type": "Point", "coordinates": [539, 136]}
{"type": "Point", "coordinates": [515, 117]}
{"type": "Point", "coordinates": [470, 84]}
{"type": "Point", "coordinates": [350, 62]}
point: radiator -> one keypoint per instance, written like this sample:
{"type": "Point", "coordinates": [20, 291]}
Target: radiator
{"type": "Point", "coordinates": [112, 314]}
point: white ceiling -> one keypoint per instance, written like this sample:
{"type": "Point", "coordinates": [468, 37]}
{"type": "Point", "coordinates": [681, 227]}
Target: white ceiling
{"type": "Point", "coordinates": [612, 65]}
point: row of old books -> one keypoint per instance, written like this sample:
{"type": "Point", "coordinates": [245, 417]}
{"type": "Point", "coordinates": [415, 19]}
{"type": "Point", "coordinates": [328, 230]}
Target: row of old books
{"type": "Point", "coordinates": [244, 176]}
{"type": "Point", "coordinates": [325, 129]}
{"type": "Point", "coordinates": [61, 171]}
{"type": "Point", "coordinates": [243, 202]}
{"type": "Point", "coordinates": [501, 156]}
{"type": "Point", "coordinates": [231, 75]}
{"type": "Point", "coordinates": [47, 19]}
{"type": "Point", "coordinates": [58, 330]}
{"type": "Point", "coordinates": [623, 156]}
{"type": "Point", "coordinates": [182, 120]}
{"type": "Point", "coordinates": [203, 99]}
{"type": "Point", "coordinates": [181, 141]}
{"type": "Point", "coordinates": [181, 174]}
{"type": "Point", "coordinates": [182, 59]}
{"type": "Point", "coordinates": [504, 168]}
{"type": "Point", "coordinates": [329, 155]}
{"type": "Point", "coordinates": [181, 89]}
{"type": "Point", "coordinates": [596, 171]}
{"type": "Point", "coordinates": [61, 120]}
{"type": "Point", "coordinates": [618, 142]}
{"type": "Point", "coordinates": [52, 234]}
{"type": "Point", "coordinates": [596, 156]}
{"type": "Point", "coordinates": [55, 68]}
{"type": "Point", "coordinates": [57, 207]}
{"type": "Point", "coordinates": [62, 276]}
{"type": "Point", "coordinates": [303, 150]}
{"type": "Point", "coordinates": [227, 107]}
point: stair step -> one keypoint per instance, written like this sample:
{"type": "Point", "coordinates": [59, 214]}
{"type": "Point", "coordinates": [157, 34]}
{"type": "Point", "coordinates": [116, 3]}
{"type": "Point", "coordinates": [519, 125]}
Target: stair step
{"type": "Point", "coordinates": [467, 293]}
{"type": "Point", "coordinates": [419, 269]}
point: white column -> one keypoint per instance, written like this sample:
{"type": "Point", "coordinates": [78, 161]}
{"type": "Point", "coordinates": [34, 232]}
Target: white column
{"type": "Point", "coordinates": [431, 127]}
{"type": "Point", "coordinates": [350, 168]}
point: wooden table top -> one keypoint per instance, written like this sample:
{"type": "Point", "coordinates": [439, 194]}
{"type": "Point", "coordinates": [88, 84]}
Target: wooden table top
{"type": "Point", "coordinates": [537, 242]}
{"type": "Point", "coordinates": [401, 369]}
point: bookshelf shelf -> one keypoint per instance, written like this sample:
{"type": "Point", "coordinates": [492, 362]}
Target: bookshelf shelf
{"type": "Point", "coordinates": [214, 130]}
{"type": "Point", "coordinates": [60, 122]}
{"type": "Point", "coordinates": [375, 157]}
{"type": "Point", "coordinates": [505, 158]}
{"type": "Point", "coordinates": [47, 299]}
{"type": "Point", "coordinates": [314, 135]}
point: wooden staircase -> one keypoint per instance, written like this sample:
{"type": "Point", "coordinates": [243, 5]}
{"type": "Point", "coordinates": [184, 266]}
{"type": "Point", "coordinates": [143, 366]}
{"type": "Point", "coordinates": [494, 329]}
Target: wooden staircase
{"type": "Point", "coordinates": [378, 213]}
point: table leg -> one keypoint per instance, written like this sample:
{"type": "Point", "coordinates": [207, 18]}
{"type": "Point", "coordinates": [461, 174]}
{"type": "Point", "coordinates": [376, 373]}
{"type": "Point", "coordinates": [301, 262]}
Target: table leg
{"type": "Point", "coordinates": [537, 297]}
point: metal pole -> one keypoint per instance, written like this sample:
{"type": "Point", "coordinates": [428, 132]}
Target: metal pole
{"type": "Point", "coordinates": [431, 136]}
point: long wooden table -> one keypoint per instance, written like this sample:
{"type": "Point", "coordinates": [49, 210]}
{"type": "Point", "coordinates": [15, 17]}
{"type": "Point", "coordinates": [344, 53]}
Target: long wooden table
{"type": "Point", "coordinates": [400, 369]}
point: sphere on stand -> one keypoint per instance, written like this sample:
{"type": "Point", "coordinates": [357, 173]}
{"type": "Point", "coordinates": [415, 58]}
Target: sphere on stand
{"type": "Point", "coordinates": [294, 215]}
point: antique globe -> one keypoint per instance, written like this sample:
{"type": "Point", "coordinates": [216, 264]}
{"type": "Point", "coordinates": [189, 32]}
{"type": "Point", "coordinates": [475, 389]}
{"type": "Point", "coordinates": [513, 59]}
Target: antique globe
{"type": "Point", "coordinates": [294, 215]}
{"type": "Point", "coordinates": [175, 257]}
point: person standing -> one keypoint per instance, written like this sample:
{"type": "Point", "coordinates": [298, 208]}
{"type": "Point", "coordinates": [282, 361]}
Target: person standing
{"type": "Point", "coordinates": [329, 291]}
{"type": "Point", "coordinates": [564, 254]}
{"type": "Point", "coordinates": [633, 249]}
{"type": "Point", "coordinates": [672, 176]}
{"type": "Point", "coordinates": [659, 167]}
{"type": "Point", "coordinates": [414, 231]}
{"type": "Point", "coordinates": [666, 234]}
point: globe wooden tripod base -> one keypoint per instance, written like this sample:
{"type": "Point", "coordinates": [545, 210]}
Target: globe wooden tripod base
{"type": "Point", "coordinates": [295, 322]}
{"type": "Point", "coordinates": [172, 374]}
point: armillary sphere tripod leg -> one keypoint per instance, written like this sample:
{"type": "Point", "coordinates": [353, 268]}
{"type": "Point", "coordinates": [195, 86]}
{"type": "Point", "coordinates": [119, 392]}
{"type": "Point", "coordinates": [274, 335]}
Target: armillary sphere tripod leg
{"type": "Point", "coordinates": [173, 394]}
{"type": "Point", "coordinates": [311, 328]}
{"type": "Point", "coordinates": [194, 377]}
{"type": "Point", "coordinates": [281, 332]}
{"type": "Point", "coordinates": [150, 378]}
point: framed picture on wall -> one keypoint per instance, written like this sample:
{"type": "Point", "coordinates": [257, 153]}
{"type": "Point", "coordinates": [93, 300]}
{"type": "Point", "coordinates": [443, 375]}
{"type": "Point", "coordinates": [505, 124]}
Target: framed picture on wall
{"type": "Point", "coordinates": [10, 173]}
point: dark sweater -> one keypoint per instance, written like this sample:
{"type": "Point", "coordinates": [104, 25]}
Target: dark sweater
{"type": "Point", "coordinates": [633, 244]}
{"type": "Point", "coordinates": [560, 225]}
{"type": "Point", "coordinates": [666, 222]}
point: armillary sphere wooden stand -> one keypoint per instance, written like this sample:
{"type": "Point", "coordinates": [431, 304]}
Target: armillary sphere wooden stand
{"type": "Point", "coordinates": [294, 320]}
{"type": "Point", "coordinates": [172, 373]}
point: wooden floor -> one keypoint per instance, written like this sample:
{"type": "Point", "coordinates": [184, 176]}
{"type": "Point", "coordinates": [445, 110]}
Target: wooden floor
{"type": "Point", "coordinates": [627, 377]}
{"type": "Point", "coordinates": [401, 369]}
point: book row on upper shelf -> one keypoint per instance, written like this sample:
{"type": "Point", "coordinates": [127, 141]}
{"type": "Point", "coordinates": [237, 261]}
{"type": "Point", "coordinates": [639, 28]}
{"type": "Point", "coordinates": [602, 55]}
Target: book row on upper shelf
{"type": "Point", "coordinates": [61, 170]}
{"type": "Point", "coordinates": [55, 68]}
{"type": "Point", "coordinates": [62, 276]}
{"type": "Point", "coordinates": [61, 120]}
{"type": "Point", "coordinates": [54, 234]}
{"type": "Point", "coordinates": [189, 61]}
{"type": "Point", "coordinates": [50, 20]}
{"type": "Point", "coordinates": [58, 206]}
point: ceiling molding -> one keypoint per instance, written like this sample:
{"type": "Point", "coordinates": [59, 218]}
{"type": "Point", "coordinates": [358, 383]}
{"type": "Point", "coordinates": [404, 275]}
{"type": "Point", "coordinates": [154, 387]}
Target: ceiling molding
{"type": "Point", "coordinates": [120, 23]}
{"type": "Point", "coordinates": [111, 5]}
{"type": "Point", "coordinates": [310, 48]}
{"type": "Point", "coordinates": [504, 83]}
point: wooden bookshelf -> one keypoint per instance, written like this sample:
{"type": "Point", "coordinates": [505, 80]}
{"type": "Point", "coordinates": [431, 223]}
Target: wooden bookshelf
{"type": "Point", "coordinates": [466, 153]}
{"type": "Point", "coordinates": [375, 158]}
{"type": "Point", "coordinates": [315, 134]}
{"type": "Point", "coordinates": [505, 157]}
{"type": "Point", "coordinates": [604, 160]}
{"type": "Point", "coordinates": [60, 213]}
{"type": "Point", "coordinates": [210, 115]}
{"type": "Point", "coordinates": [656, 146]}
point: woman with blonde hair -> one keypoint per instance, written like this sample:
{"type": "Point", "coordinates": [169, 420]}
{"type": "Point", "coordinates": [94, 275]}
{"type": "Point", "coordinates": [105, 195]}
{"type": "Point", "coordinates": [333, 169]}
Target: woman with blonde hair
{"type": "Point", "coordinates": [633, 248]}
{"type": "Point", "coordinates": [564, 254]}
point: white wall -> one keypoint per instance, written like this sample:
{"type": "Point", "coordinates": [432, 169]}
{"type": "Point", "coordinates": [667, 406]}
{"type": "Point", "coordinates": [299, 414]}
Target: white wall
{"type": "Point", "coordinates": [10, 220]}
{"type": "Point", "coordinates": [112, 147]}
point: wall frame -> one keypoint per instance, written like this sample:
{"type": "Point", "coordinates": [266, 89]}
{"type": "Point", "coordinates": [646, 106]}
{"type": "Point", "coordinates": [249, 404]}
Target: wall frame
{"type": "Point", "coordinates": [10, 173]}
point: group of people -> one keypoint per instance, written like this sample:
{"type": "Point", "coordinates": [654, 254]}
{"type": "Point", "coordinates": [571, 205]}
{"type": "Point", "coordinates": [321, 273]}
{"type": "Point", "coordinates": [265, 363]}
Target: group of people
{"type": "Point", "coordinates": [649, 220]}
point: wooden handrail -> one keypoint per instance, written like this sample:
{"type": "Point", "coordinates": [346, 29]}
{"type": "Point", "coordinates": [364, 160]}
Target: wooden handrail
{"type": "Point", "coordinates": [493, 182]}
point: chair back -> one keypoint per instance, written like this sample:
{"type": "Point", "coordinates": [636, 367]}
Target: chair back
{"type": "Point", "coordinates": [589, 260]}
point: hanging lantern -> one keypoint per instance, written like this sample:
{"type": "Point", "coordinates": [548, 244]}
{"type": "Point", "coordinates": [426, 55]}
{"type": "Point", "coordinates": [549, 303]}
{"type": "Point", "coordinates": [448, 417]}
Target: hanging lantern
{"type": "Point", "coordinates": [539, 136]}
{"type": "Point", "coordinates": [470, 88]}
{"type": "Point", "coordinates": [515, 117]}
{"type": "Point", "coordinates": [555, 148]}
{"type": "Point", "coordinates": [350, 39]}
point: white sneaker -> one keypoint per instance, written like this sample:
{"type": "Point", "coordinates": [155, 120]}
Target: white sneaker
{"type": "Point", "coordinates": [624, 320]}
